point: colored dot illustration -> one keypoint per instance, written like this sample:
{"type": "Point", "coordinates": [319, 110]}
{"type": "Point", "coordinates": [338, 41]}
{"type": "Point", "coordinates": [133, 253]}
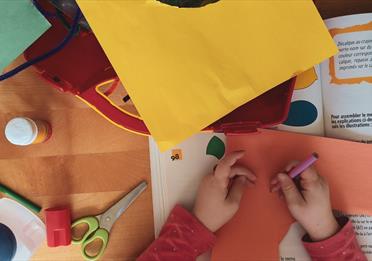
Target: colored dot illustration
{"type": "Point", "coordinates": [301, 113]}
{"type": "Point", "coordinates": [216, 147]}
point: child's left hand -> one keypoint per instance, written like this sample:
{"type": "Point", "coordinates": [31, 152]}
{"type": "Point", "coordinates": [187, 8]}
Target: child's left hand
{"type": "Point", "coordinates": [219, 194]}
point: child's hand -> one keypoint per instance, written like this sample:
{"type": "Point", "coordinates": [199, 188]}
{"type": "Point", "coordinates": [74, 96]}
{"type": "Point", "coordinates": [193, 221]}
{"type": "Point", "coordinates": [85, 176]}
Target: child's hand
{"type": "Point", "coordinates": [311, 206]}
{"type": "Point", "coordinates": [220, 192]}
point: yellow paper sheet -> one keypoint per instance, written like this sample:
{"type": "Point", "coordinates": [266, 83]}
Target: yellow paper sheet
{"type": "Point", "coordinates": [184, 68]}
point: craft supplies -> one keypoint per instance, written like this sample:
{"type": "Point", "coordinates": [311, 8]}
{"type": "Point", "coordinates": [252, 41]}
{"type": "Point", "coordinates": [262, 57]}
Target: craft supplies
{"type": "Point", "coordinates": [27, 228]}
{"type": "Point", "coordinates": [301, 167]}
{"type": "Point", "coordinates": [8, 243]}
{"type": "Point", "coordinates": [25, 202]}
{"type": "Point", "coordinates": [24, 131]}
{"type": "Point", "coordinates": [217, 58]}
{"type": "Point", "coordinates": [21, 25]}
{"type": "Point", "coordinates": [99, 226]}
{"type": "Point", "coordinates": [52, 50]}
{"type": "Point", "coordinates": [58, 226]}
{"type": "Point", "coordinates": [64, 71]}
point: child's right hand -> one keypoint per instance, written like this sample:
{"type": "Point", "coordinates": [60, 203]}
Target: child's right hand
{"type": "Point", "coordinates": [311, 206]}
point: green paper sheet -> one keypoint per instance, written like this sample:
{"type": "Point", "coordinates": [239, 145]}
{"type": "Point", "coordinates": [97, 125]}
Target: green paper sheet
{"type": "Point", "coordinates": [21, 24]}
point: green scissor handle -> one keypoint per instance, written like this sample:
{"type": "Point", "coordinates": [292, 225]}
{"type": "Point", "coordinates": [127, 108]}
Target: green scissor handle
{"type": "Point", "coordinates": [93, 233]}
{"type": "Point", "coordinates": [93, 225]}
{"type": "Point", "coordinates": [99, 234]}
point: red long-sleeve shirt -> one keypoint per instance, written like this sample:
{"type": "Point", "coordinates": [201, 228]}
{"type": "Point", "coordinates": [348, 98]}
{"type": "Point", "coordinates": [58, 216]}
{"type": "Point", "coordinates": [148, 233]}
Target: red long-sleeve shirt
{"type": "Point", "coordinates": [183, 238]}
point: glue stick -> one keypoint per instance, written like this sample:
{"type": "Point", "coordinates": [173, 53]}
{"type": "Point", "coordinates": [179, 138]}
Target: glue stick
{"type": "Point", "coordinates": [25, 131]}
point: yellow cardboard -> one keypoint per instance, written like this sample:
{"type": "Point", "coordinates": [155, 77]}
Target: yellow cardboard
{"type": "Point", "coordinates": [184, 68]}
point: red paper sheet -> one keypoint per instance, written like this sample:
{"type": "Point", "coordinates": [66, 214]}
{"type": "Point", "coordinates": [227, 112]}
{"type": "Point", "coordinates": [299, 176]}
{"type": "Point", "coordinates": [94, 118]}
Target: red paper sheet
{"type": "Point", "coordinates": [263, 219]}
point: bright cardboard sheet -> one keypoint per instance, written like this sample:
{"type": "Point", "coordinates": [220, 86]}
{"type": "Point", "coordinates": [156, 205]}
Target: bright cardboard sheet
{"type": "Point", "coordinates": [20, 25]}
{"type": "Point", "coordinates": [263, 219]}
{"type": "Point", "coordinates": [184, 68]}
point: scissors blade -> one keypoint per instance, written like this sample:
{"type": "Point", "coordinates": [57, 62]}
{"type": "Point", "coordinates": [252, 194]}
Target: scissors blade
{"type": "Point", "coordinates": [108, 218]}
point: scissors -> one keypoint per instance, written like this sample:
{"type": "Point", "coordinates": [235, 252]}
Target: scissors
{"type": "Point", "coordinates": [99, 226]}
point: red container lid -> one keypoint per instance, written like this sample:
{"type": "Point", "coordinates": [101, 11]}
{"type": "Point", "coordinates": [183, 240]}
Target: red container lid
{"type": "Point", "coordinates": [82, 63]}
{"type": "Point", "coordinates": [265, 111]}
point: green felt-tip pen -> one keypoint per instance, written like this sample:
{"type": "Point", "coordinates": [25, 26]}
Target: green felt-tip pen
{"type": "Point", "coordinates": [25, 202]}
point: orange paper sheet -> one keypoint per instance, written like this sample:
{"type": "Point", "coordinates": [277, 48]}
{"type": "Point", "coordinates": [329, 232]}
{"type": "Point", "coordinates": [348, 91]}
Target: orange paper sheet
{"type": "Point", "coordinates": [263, 219]}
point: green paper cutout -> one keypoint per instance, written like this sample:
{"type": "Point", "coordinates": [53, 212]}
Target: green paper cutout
{"type": "Point", "coordinates": [21, 24]}
{"type": "Point", "coordinates": [216, 147]}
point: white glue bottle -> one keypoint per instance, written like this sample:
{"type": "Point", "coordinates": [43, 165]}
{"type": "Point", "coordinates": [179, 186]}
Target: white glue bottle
{"type": "Point", "coordinates": [24, 131]}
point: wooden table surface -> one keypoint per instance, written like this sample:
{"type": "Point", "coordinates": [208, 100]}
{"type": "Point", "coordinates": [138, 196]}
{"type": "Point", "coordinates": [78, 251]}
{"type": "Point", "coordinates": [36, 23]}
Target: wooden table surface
{"type": "Point", "coordinates": [88, 163]}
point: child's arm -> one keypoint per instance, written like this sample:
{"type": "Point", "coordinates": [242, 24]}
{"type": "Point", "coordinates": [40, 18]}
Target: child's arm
{"type": "Point", "coordinates": [328, 238]}
{"type": "Point", "coordinates": [185, 236]}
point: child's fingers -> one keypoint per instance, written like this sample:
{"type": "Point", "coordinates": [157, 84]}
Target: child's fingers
{"type": "Point", "coordinates": [274, 184]}
{"type": "Point", "coordinates": [242, 171]}
{"type": "Point", "coordinates": [237, 189]}
{"type": "Point", "coordinates": [311, 180]}
{"type": "Point", "coordinates": [289, 189]}
{"type": "Point", "coordinates": [310, 175]}
{"type": "Point", "coordinates": [223, 168]}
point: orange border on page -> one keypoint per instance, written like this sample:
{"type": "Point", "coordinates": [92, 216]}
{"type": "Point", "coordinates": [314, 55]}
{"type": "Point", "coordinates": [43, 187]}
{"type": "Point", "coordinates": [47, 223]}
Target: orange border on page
{"type": "Point", "coordinates": [332, 69]}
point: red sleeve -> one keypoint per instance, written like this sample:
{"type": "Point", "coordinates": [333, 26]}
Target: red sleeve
{"type": "Point", "coordinates": [341, 247]}
{"type": "Point", "coordinates": [182, 238]}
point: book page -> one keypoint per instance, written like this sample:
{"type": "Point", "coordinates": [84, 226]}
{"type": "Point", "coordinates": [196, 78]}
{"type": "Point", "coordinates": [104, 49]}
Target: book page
{"type": "Point", "coordinates": [306, 111]}
{"type": "Point", "coordinates": [292, 249]}
{"type": "Point", "coordinates": [176, 173]}
{"type": "Point", "coordinates": [347, 79]}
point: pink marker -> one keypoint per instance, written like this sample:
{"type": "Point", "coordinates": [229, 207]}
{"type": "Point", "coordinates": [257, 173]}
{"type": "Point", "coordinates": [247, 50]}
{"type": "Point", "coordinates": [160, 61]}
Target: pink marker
{"type": "Point", "coordinates": [303, 165]}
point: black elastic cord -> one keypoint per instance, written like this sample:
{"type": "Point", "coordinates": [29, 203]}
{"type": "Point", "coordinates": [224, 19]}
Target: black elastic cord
{"type": "Point", "coordinates": [42, 10]}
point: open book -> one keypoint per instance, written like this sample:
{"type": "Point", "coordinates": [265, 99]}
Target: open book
{"type": "Point", "coordinates": [335, 98]}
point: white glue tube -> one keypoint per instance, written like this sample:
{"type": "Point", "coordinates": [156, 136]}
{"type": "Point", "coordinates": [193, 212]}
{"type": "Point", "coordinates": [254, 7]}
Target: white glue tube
{"type": "Point", "coordinates": [23, 131]}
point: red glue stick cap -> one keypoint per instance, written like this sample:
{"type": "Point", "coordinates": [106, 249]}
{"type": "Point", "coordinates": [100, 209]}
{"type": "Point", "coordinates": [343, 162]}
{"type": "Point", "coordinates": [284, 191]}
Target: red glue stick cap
{"type": "Point", "coordinates": [58, 226]}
